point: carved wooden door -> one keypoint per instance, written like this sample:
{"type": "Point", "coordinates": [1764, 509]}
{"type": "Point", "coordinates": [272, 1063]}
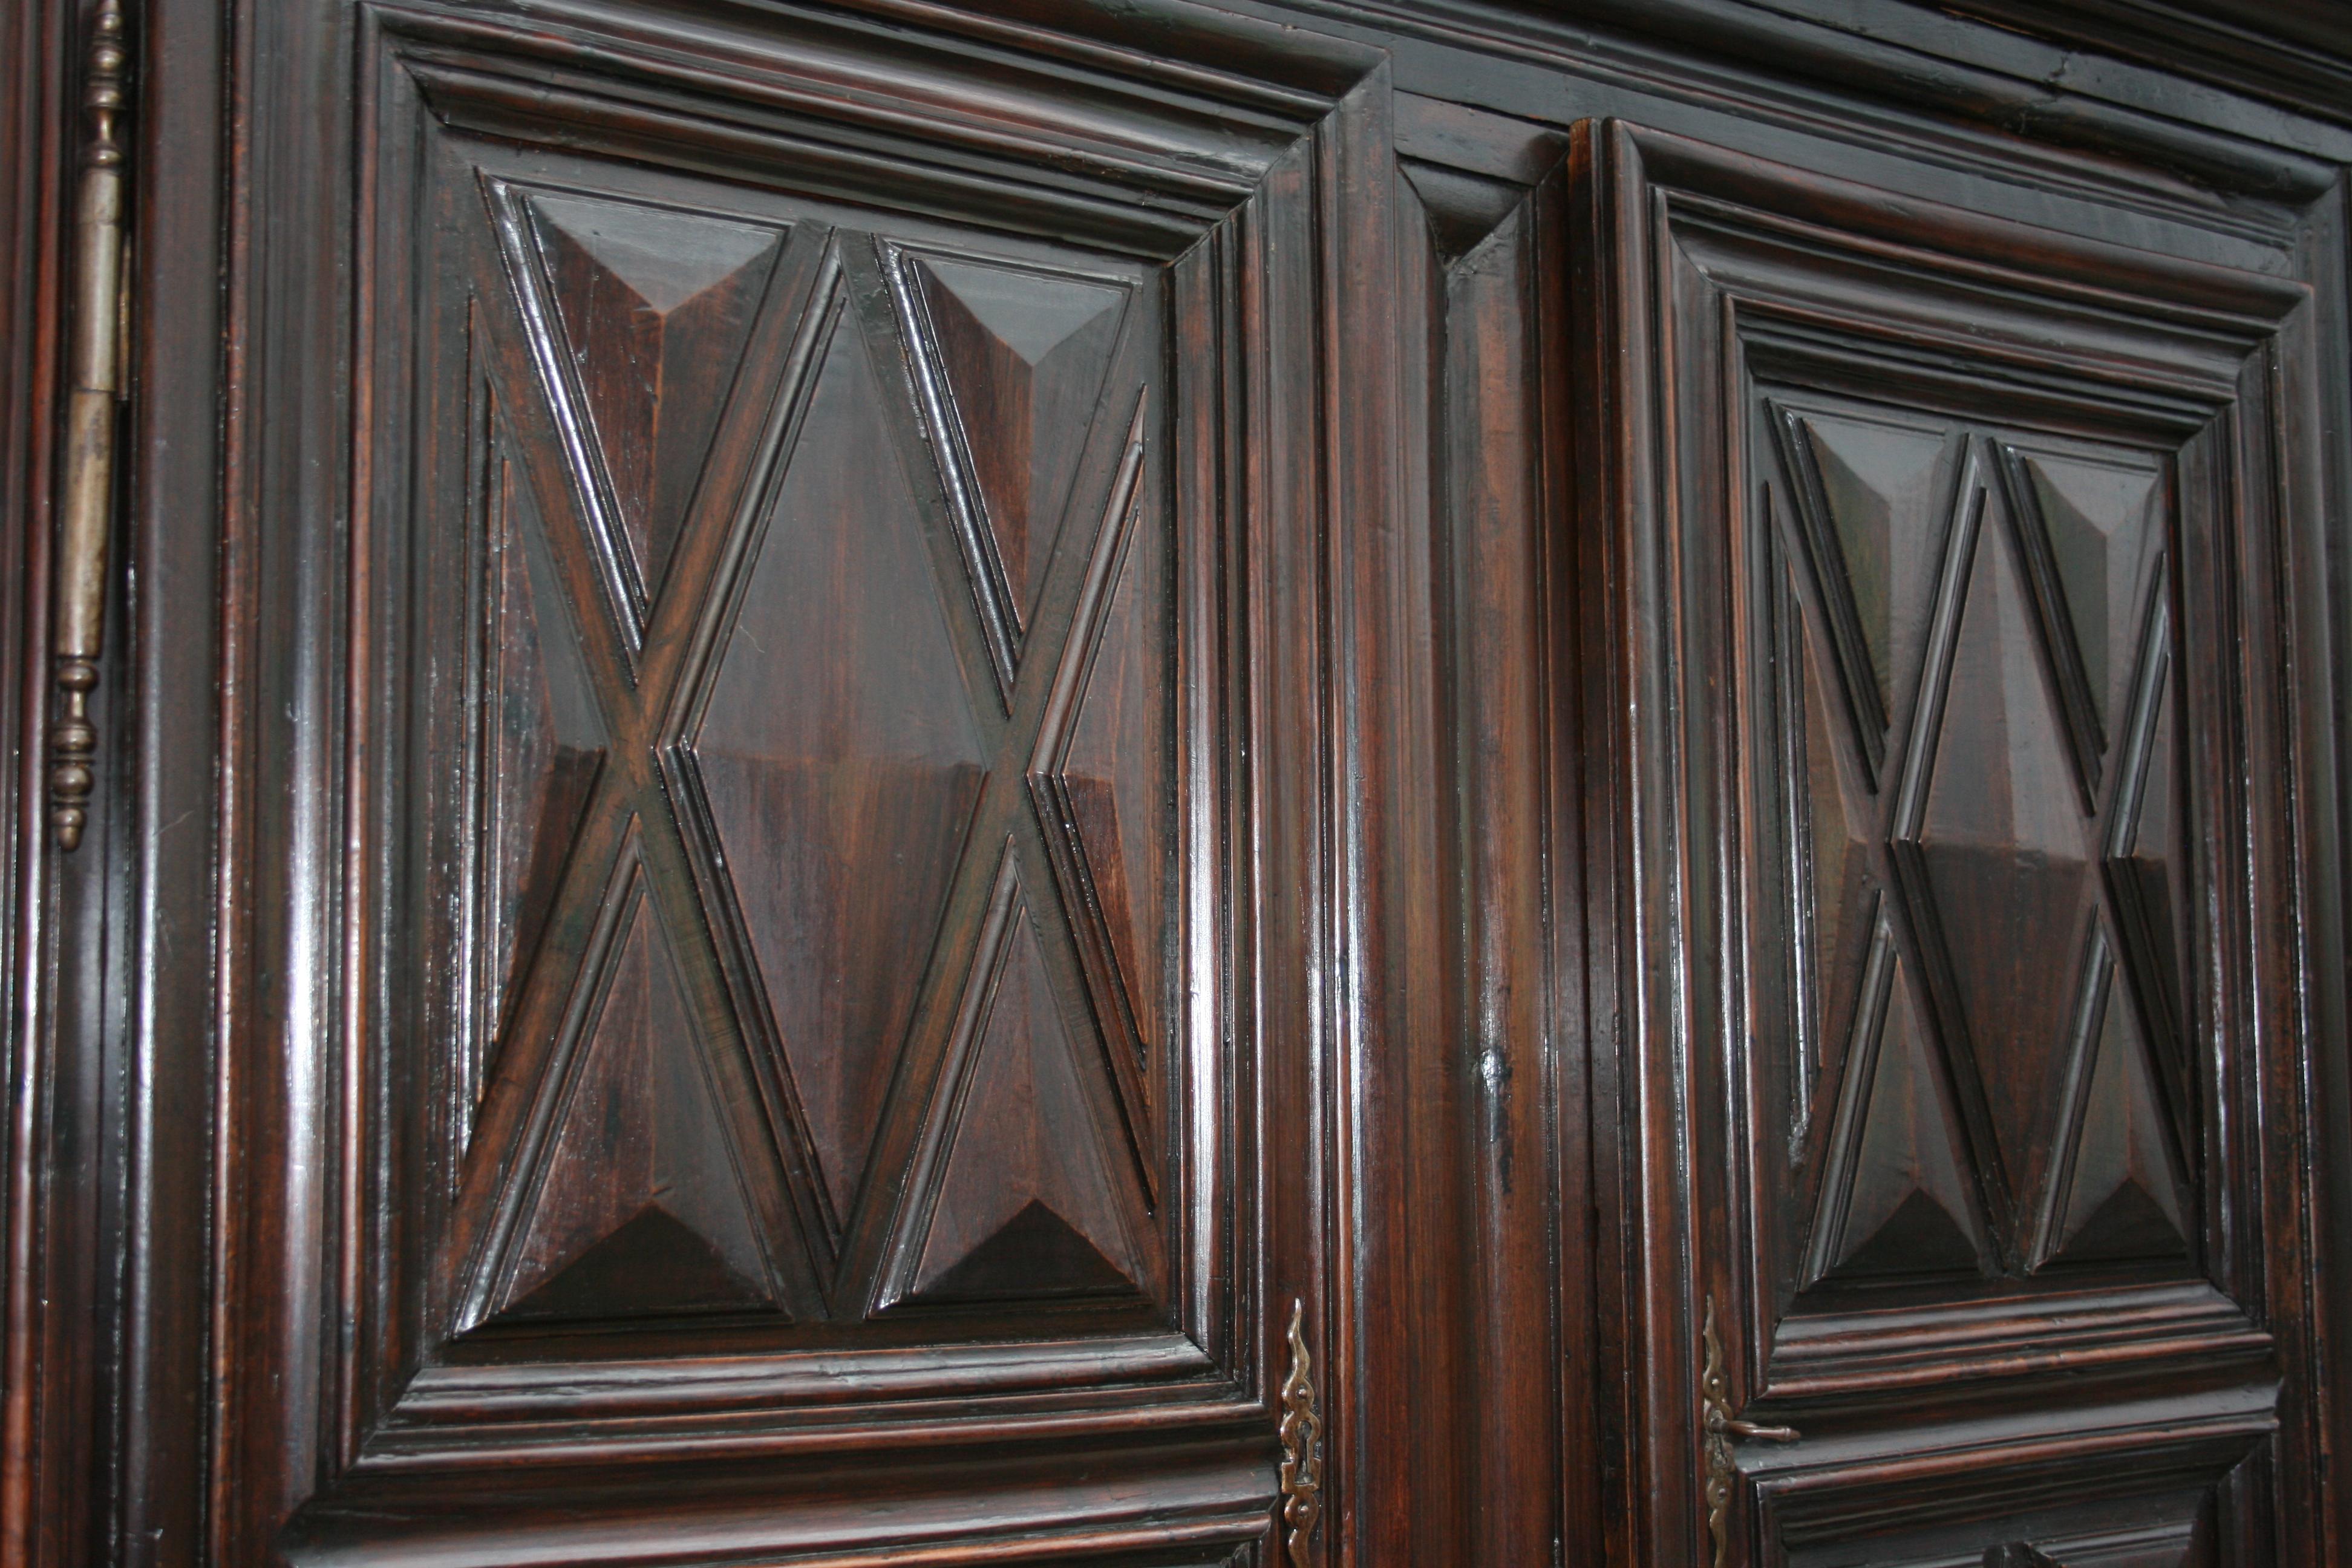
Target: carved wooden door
{"type": "Point", "coordinates": [1944, 564]}
{"type": "Point", "coordinates": [778, 836]}
{"type": "Point", "coordinates": [1173, 784]}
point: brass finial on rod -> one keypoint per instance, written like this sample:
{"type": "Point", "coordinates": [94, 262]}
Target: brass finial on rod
{"type": "Point", "coordinates": [94, 382]}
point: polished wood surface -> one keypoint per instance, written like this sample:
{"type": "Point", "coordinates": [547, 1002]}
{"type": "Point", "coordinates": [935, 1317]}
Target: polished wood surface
{"type": "Point", "coordinates": [1305, 783]}
{"type": "Point", "coordinates": [1936, 570]}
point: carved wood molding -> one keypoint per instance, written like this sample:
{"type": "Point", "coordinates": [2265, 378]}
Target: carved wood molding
{"type": "Point", "coordinates": [2299, 54]}
{"type": "Point", "coordinates": [852, 104]}
{"type": "Point", "coordinates": [1035, 308]}
{"type": "Point", "coordinates": [1916, 1167]}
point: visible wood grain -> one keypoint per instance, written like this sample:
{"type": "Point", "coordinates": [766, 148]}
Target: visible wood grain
{"type": "Point", "coordinates": [847, 730]}
{"type": "Point", "coordinates": [1032, 1199]}
{"type": "Point", "coordinates": [1014, 362]}
{"type": "Point", "coordinates": [771, 1025]}
{"type": "Point", "coordinates": [1930, 1095]}
{"type": "Point", "coordinates": [655, 308]}
{"type": "Point", "coordinates": [839, 760]}
{"type": "Point", "coordinates": [543, 747]}
{"type": "Point", "coordinates": [1106, 814]}
{"type": "Point", "coordinates": [638, 1209]}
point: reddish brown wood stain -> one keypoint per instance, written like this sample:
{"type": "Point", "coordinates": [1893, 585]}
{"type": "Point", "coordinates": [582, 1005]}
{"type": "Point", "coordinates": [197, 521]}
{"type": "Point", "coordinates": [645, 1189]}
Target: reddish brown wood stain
{"type": "Point", "coordinates": [842, 736]}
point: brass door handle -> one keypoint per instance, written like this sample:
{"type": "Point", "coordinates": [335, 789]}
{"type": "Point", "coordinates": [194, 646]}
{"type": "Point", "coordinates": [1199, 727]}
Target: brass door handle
{"type": "Point", "coordinates": [94, 373]}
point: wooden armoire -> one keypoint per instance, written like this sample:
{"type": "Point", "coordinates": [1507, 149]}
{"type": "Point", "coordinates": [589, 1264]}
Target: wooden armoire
{"type": "Point", "coordinates": [1176, 783]}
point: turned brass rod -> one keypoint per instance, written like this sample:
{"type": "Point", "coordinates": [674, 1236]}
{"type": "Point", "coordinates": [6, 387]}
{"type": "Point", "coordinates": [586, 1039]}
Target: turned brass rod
{"type": "Point", "coordinates": [94, 380]}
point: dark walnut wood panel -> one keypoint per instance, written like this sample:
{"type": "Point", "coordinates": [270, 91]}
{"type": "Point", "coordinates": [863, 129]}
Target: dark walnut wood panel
{"type": "Point", "coordinates": [1497, 1168]}
{"type": "Point", "coordinates": [638, 1209]}
{"type": "Point", "coordinates": [824, 748]}
{"type": "Point", "coordinates": [2173, 1494]}
{"type": "Point", "coordinates": [652, 309]}
{"type": "Point", "coordinates": [843, 738]}
{"type": "Point", "coordinates": [838, 623]}
{"type": "Point", "coordinates": [753, 468]}
{"type": "Point", "coordinates": [1940, 603]}
{"type": "Point", "coordinates": [1959, 813]}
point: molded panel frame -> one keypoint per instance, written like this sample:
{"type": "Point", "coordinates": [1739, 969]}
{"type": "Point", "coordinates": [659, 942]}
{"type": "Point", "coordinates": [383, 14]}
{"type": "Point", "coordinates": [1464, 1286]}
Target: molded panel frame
{"type": "Point", "coordinates": [1689, 249]}
{"type": "Point", "coordinates": [1259, 194]}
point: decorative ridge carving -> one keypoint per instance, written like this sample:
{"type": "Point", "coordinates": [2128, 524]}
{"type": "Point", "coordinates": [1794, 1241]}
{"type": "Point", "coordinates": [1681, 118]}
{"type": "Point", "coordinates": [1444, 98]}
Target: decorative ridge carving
{"type": "Point", "coordinates": [1302, 1434]}
{"type": "Point", "coordinates": [1116, 1003]}
{"type": "Point", "coordinates": [95, 381]}
{"type": "Point", "coordinates": [2237, 308]}
{"type": "Point", "coordinates": [853, 105]}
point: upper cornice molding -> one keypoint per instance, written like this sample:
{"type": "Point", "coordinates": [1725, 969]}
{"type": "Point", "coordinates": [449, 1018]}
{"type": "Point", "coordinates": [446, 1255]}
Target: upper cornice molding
{"type": "Point", "coordinates": [2018, 72]}
{"type": "Point", "coordinates": [2295, 53]}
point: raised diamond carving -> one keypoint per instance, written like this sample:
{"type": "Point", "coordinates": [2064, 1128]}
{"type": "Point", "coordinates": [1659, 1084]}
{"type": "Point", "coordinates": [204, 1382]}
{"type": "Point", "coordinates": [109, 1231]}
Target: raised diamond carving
{"type": "Point", "coordinates": [1111, 774]}
{"type": "Point", "coordinates": [2003, 844]}
{"type": "Point", "coordinates": [1028, 1202]}
{"type": "Point", "coordinates": [1012, 360]}
{"type": "Point", "coordinates": [839, 762]}
{"type": "Point", "coordinates": [1985, 1121]}
{"type": "Point", "coordinates": [1870, 496]}
{"type": "Point", "coordinates": [539, 745]}
{"type": "Point", "coordinates": [638, 1207]}
{"type": "Point", "coordinates": [1831, 826]}
{"type": "Point", "coordinates": [2152, 856]}
{"type": "Point", "coordinates": [2147, 859]}
{"type": "Point", "coordinates": [1834, 842]}
{"type": "Point", "coordinates": [728, 1109]}
{"type": "Point", "coordinates": [2087, 538]}
{"type": "Point", "coordinates": [2081, 535]}
{"type": "Point", "coordinates": [1899, 1202]}
{"type": "Point", "coordinates": [2122, 1194]}
{"type": "Point", "coordinates": [1100, 758]}
{"type": "Point", "coordinates": [654, 305]}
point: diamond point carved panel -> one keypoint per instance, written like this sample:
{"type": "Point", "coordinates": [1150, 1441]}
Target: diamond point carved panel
{"type": "Point", "coordinates": [839, 762]}
{"type": "Point", "coordinates": [1011, 363]}
{"type": "Point", "coordinates": [2083, 535]}
{"type": "Point", "coordinates": [804, 749]}
{"type": "Point", "coordinates": [2020, 1219]}
{"type": "Point", "coordinates": [1865, 490]}
{"type": "Point", "coordinates": [1900, 1196]}
{"type": "Point", "coordinates": [646, 313]}
{"type": "Point", "coordinates": [635, 1203]}
{"type": "Point", "coordinates": [539, 744]}
{"type": "Point", "coordinates": [559, 1311]}
{"type": "Point", "coordinates": [1981, 1131]}
{"type": "Point", "coordinates": [2006, 852]}
{"type": "Point", "coordinates": [1832, 821]}
{"type": "Point", "coordinates": [1097, 796]}
{"type": "Point", "coordinates": [1026, 1199]}
{"type": "Point", "coordinates": [2120, 1195]}
{"type": "Point", "coordinates": [2146, 864]}
{"type": "Point", "coordinates": [844, 765]}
